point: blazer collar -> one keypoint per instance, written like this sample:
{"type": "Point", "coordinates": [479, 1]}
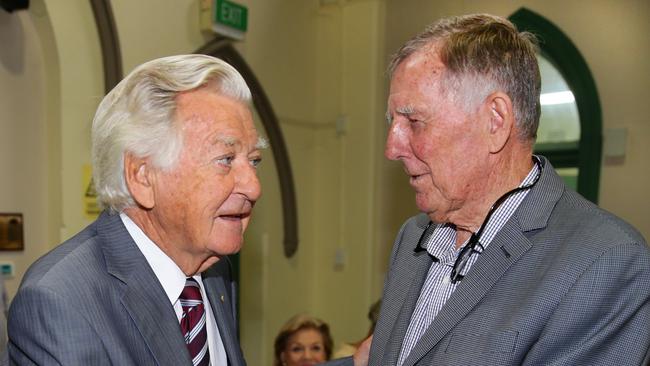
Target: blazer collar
{"type": "Point", "coordinates": [506, 248]}
{"type": "Point", "coordinates": [535, 211]}
{"type": "Point", "coordinates": [397, 318]}
{"type": "Point", "coordinates": [143, 297]}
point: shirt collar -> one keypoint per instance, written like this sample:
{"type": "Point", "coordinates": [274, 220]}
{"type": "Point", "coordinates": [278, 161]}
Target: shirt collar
{"type": "Point", "coordinates": [170, 276]}
{"type": "Point", "coordinates": [442, 241]}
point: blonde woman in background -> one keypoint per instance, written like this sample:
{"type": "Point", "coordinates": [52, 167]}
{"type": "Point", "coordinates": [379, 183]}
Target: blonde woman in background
{"type": "Point", "coordinates": [303, 341]}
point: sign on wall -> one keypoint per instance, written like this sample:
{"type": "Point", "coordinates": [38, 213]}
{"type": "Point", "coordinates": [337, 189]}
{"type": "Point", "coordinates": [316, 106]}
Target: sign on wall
{"type": "Point", "coordinates": [224, 17]}
{"type": "Point", "coordinates": [91, 208]}
{"type": "Point", "coordinates": [11, 231]}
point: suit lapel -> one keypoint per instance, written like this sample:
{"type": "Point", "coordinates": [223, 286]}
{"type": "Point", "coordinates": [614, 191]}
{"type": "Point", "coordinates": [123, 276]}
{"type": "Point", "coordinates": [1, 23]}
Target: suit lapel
{"type": "Point", "coordinates": [504, 250]}
{"type": "Point", "coordinates": [408, 299]}
{"type": "Point", "coordinates": [157, 323]}
{"type": "Point", "coordinates": [219, 293]}
{"type": "Point", "coordinates": [143, 298]}
{"type": "Point", "coordinates": [405, 290]}
{"type": "Point", "coordinates": [493, 263]}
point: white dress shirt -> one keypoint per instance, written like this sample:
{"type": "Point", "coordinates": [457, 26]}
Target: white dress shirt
{"type": "Point", "coordinates": [173, 280]}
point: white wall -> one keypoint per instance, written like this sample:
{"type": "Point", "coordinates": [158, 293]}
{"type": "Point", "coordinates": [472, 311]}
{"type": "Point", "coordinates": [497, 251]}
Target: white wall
{"type": "Point", "coordinates": [318, 63]}
{"type": "Point", "coordinates": [29, 146]}
{"type": "Point", "coordinates": [79, 92]}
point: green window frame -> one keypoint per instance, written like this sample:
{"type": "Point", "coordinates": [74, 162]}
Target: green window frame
{"type": "Point", "coordinates": [586, 153]}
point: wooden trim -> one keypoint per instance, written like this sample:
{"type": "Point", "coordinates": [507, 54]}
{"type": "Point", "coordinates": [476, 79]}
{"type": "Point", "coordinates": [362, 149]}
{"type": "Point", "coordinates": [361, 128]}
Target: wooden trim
{"type": "Point", "coordinates": [109, 41]}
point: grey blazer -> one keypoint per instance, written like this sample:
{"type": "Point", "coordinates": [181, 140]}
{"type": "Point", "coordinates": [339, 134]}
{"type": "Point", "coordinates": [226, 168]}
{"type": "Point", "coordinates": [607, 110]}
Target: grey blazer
{"type": "Point", "coordinates": [94, 300]}
{"type": "Point", "coordinates": [562, 283]}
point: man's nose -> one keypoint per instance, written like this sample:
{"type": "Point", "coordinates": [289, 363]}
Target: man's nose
{"type": "Point", "coordinates": [249, 183]}
{"type": "Point", "coordinates": [395, 141]}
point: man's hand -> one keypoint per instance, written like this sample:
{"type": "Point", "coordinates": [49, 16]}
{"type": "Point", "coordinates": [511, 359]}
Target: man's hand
{"type": "Point", "coordinates": [363, 353]}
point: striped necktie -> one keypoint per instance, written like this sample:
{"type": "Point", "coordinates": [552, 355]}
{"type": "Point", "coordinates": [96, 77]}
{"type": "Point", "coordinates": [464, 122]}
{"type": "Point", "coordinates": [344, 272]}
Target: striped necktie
{"type": "Point", "coordinates": [193, 323]}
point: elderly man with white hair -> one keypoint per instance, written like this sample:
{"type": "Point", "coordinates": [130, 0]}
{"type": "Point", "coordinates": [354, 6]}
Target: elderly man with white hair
{"type": "Point", "coordinates": [149, 282]}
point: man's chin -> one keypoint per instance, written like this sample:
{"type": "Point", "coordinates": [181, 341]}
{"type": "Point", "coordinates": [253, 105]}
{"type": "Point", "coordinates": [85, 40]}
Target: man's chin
{"type": "Point", "coordinates": [434, 215]}
{"type": "Point", "coordinates": [208, 263]}
{"type": "Point", "coordinates": [224, 248]}
{"type": "Point", "coordinates": [423, 205]}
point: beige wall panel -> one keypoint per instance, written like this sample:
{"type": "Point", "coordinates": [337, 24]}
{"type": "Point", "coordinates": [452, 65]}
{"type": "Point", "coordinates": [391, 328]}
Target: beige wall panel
{"type": "Point", "coordinates": [280, 49]}
{"type": "Point", "coordinates": [318, 63]}
{"type": "Point", "coordinates": [346, 291]}
{"type": "Point", "coordinates": [24, 143]}
{"type": "Point", "coordinates": [81, 89]}
{"type": "Point", "coordinates": [151, 29]}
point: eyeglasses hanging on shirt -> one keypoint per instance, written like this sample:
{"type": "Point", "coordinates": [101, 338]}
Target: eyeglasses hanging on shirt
{"type": "Point", "coordinates": [471, 247]}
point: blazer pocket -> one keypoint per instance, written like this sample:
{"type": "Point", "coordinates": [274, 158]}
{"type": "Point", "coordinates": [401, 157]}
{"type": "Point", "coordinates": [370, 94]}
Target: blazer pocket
{"type": "Point", "coordinates": [472, 343]}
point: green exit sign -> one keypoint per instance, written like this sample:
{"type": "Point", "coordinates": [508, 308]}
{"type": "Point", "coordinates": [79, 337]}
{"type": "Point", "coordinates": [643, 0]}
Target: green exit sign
{"type": "Point", "coordinates": [230, 19]}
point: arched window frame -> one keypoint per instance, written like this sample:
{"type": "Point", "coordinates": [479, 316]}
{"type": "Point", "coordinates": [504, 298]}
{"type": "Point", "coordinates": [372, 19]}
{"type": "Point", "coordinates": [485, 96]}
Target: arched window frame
{"type": "Point", "coordinates": [559, 50]}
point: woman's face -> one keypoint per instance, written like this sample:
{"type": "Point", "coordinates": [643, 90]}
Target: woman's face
{"type": "Point", "coordinates": [304, 348]}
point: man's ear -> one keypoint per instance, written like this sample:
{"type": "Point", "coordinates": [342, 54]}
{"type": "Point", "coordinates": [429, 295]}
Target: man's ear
{"type": "Point", "coordinates": [139, 177]}
{"type": "Point", "coordinates": [501, 120]}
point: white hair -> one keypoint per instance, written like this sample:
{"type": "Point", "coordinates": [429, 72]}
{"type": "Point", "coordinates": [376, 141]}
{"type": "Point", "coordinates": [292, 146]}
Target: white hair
{"type": "Point", "coordinates": [137, 117]}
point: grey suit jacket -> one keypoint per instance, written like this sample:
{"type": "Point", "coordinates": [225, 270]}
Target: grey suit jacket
{"type": "Point", "coordinates": [94, 300]}
{"type": "Point", "coordinates": [562, 283]}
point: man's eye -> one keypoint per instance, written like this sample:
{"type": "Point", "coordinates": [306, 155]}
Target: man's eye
{"type": "Point", "coordinates": [226, 160]}
{"type": "Point", "coordinates": [255, 162]}
{"type": "Point", "coordinates": [415, 123]}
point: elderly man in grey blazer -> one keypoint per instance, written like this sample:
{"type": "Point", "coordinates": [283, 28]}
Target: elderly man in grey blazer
{"type": "Point", "coordinates": [505, 265]}
{"type": "Point", "coordinates": [174, 152]}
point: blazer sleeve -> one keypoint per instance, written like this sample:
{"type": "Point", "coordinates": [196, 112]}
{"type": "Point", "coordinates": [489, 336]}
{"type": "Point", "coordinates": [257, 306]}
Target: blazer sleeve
{"type": "Point", "coordinates": [604, 319]}
{"type": "Point", "coordinates": [47, 329]}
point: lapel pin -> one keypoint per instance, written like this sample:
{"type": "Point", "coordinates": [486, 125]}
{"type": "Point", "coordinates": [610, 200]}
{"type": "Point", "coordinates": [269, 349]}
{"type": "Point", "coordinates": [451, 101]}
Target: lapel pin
{"type": "Point", "coordinates": [221, 298]}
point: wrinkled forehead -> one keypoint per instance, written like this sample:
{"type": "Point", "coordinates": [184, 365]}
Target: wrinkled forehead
{"type": "Point", "coordinates": [217, 118]}
{"type": "Point", "coordinates": [240, 135]}
{"type": "Point", "coordinates": [417, 53]}
{"type": "Point", "coordinates": [422, 63]}
{"type": "Point", "coordinates": [418, 74]}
